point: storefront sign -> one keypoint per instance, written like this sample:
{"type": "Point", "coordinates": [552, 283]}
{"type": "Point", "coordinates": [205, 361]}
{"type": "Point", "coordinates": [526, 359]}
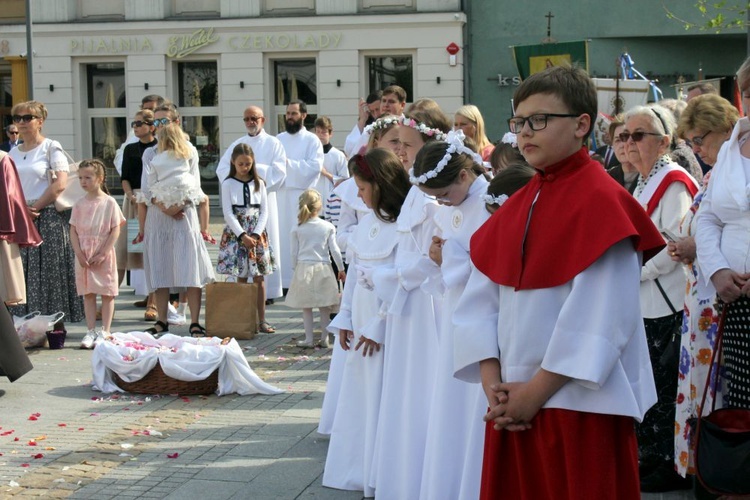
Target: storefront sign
{"type": "Point", "coordinates": [284, 41]}
{"type": "Point", "coordinates": [179, 46]}
{"type": "Point", "coordinates": [110, 45]}
{"type": "Point", "coordinates": [183, 45]}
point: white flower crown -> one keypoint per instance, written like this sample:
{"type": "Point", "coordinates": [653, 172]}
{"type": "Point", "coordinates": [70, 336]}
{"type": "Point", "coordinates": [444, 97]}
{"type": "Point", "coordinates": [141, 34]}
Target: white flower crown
{"type": "Point", "coordinates": [494, 200]}
{"type": "Point", "coordinates": [423, 129]}
{"type": "Point", "coordinates": [456, 145]}
{"type": "Point", "coordinates": [382, 123]}
{"type": "Point", "coordinates": [510, 138]}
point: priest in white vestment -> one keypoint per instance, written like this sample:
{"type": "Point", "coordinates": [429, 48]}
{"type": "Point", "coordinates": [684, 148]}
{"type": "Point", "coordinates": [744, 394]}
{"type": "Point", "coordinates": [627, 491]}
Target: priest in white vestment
{"type": "Point", "coordinates": [304, 162]}
{"type": "Point", "coordinates": [270, 160]}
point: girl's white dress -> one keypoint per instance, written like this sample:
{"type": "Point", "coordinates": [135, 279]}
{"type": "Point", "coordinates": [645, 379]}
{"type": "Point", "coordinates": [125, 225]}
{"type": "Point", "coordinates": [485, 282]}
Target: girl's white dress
{"type": "Point", "coordinates": [411, 352]}
{"type": "Point", "coordinates": [455, 429]}
{"type": "Point", "coordinates": [313, 282]}
{"type": "Point", "coordinates": [175, 254]}
{"type": "Point", "coordinates": [351, 448]}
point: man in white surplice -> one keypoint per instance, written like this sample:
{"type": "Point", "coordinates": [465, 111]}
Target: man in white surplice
{"type": "Point", "coordinates": [304, 163]}
{"type": "Point", "coordinates": [270, 160]}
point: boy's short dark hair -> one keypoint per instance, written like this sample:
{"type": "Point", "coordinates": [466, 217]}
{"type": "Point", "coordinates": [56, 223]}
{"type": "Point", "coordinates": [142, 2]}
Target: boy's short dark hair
{"type": "Point", "coordinates": [571, 84]}
{"type": "Point", "coordinates": [399, 92]}
{"type": "Point", "coordinates": [324, 122]}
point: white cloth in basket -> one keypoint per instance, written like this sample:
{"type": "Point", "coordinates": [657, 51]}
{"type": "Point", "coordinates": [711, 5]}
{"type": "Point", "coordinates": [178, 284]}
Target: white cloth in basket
{"type": "Point", "coordinates": [132, 355]}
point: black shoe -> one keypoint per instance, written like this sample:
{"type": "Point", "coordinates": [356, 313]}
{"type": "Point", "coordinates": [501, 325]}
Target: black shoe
{"type": "Point", "coordinates": [269, 302]}
{"type": "Point", "coordinates": [664, 478]}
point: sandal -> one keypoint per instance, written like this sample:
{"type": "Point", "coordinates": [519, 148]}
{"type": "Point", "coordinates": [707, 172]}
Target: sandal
{"type": "Point", "coordinates": [150, 314]}
{"type": "Point", "coordinates": [265, 327]}
{"type": "Point", "coordinates": [164, 328]}
{"type": "Point", "coordinates": [197, 331]}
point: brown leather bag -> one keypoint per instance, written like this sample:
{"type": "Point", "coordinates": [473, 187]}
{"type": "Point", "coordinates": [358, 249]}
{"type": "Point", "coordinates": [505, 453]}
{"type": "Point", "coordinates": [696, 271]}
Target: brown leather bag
{"type": "Point", "coordinates": [231, 310]}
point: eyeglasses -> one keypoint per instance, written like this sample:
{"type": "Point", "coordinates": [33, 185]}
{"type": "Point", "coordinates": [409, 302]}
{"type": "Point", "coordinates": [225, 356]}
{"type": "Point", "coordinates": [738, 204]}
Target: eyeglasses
{"type": "Point", "coordinates": [139, 123]}
{"type": "Point", "coordinates": [636, 136]}
{"type": "Point", "coordinates": [159, 122]}
{"type": "Point", "coordinates": [537, 122]}
{"type": "Point", "coordinates": [697, 141]}
{"type": "Point", "coordinates": [254, 119]}
{"type": "Point", "coordinates": [23, 118]}
{"type": "Point", "coordinates": [12, 132]}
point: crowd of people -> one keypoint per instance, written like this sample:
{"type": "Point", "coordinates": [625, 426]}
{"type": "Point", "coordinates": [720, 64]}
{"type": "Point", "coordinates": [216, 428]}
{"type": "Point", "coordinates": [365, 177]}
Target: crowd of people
{"type": "Point", "coordinates": [498, 309]}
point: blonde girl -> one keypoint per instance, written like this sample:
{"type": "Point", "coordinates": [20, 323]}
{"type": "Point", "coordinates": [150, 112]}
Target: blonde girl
{"type": "Point", "coordinates": [244, 251]}
{"type": "Point", "coordinates": [469, 119]}
{"type": "Point", "coordinates": [175, 254]}
{"type": "Point", "coordinates": [94, 227]}
{"type": "Point", "coordinates": [313, 283]}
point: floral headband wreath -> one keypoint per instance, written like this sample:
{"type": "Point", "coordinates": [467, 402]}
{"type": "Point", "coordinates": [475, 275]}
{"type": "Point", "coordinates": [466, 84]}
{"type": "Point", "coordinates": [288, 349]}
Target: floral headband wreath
{"type": "Point", "coordinates": [456, 145]}
{"type": "Point", "coordinates": [510, 138]}
{"type": "Point", "coordinates": [490, 199]}
{"type": "Point", "coordinates": [423, 129]}
{"type": "Point", "coordinates": [382, 124]}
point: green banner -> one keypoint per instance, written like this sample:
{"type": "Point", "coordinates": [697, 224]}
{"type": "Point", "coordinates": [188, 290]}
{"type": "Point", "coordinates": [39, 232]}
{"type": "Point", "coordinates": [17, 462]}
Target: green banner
{"type": "Point", "coordinates": [531, 59]}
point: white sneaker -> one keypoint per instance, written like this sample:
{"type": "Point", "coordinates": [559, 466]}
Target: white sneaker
{"type": "Point", "coordinates": [89, 339]}
{"type": "Point", "coordinates": [175, 318]}
{"type": "Point", "coordinates": [101, 336]}
{"type": "Point", "coordinates": [323, 342]}
{"type": "Point", "coordinates": [302, 343]}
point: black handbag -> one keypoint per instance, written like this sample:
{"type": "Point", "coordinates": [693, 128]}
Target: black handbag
{"type": "Point", "coordinates": [722, 439]}
{"type": "Point", "coordinates": [671, 354]}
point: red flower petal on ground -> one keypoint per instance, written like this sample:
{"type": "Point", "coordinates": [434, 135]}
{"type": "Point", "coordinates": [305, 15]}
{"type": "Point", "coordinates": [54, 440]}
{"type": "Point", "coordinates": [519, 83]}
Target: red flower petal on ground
{"type": "Point", "coordinates": [24, 465]}
{"type": "Point", "coordinates": [37, 456]}
{"type": "Point", "coordinates": [32, 443]}
{"type": "Point", "coordinates": [173, 455]}
{"type": "Point", "coordinates": [7, 433]}
{"type": "Point", "coordinates": [80, 428]}
{"type": "Point", "coordinates": [16, 439]}
{"type": "Point", "coordinates": [33, 418]}
{"type": "Point", "coordinates": [62, 425]}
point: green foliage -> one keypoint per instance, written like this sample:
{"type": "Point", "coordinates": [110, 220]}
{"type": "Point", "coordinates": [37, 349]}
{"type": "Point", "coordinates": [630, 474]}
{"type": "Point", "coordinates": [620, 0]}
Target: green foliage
{"type": "Point", "coordinates": [715, 16]}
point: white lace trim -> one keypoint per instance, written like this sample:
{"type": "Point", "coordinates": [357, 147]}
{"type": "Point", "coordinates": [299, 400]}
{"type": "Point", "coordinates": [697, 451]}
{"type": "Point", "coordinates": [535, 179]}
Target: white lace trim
{"type": "Point", "coordinates": [495, 200]}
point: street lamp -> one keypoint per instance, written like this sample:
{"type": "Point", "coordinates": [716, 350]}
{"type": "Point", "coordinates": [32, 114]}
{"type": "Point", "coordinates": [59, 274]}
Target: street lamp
{"type": "Point", "coordinates": [29, 51]}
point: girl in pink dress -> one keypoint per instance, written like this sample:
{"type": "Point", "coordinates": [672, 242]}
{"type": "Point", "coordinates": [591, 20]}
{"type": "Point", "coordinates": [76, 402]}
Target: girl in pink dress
{"type": "Point", "coordinates": [94, 227]}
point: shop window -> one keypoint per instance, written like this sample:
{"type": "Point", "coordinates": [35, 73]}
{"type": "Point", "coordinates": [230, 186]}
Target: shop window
{"type": "Point", "coordinates": [288, 7]}
{"type": "Point", "coordinates": [390, 5]}
{"type": "Point", "coordinates": [295, 79]}
{"type": "Point", "coordinates": [383, 71]}
{"type": "Point", "coordinates": [6, 102]}
{"type": "Point", "coordinates": [96, 10]}
{"type": "Point", "coordinates": [198, 103]}
{"type": "Point", "coordinates": [106, 115]}
{"type": "Point", "coordinates": [196, 8]}
{"type": "Point", "coordinates": [12, 11]}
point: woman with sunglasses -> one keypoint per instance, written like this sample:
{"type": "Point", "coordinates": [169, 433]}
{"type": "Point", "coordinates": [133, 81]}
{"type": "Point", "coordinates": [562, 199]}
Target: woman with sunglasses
{"type": "Point", "coordinates": [666, 192]}
{"type": "Point", "coordinates": [175, 254]}
{"type": "Point", "coordinates": [132, 169]}
{"type": "Point", "coordinates": [49, 267]}
{"type": "Point", "coordinates": [705, 125]}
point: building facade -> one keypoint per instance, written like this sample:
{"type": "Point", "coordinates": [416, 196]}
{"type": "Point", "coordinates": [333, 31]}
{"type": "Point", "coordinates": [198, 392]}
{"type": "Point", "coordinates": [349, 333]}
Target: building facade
{"type": "Point", "coordinates": [661, 48]}
{"type": "Point", "coordinates": [94, 60]}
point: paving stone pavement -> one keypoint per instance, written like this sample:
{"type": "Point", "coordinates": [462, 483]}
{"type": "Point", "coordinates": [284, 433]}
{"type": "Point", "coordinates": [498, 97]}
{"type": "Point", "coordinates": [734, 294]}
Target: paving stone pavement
{"type": "Point", "coordinates": [61, 439]}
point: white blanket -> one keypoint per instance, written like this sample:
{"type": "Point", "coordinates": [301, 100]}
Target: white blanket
{"type": "Point", "coordinates": [133, 355]}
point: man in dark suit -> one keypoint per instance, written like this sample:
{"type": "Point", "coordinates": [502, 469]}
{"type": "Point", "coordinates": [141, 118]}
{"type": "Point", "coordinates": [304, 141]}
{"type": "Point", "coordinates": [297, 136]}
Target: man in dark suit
{"type": "Point", "coordinates": [607, 153]}
{"type": "Point", "coordinates": [11, 131]}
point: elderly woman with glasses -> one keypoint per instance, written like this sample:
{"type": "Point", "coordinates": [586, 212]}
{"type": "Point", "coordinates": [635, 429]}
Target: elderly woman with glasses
{"type": "Point", "coordinates": [706, 124]}
{"type": "Point", "coordinates": [48, 268]}
{"type": "Point", "coordinates": [666, 191]}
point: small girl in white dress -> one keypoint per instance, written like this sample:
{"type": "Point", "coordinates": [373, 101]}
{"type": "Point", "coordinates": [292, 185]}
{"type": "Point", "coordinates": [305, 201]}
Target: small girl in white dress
{"type": "Point", "coordinates": [313, 283]}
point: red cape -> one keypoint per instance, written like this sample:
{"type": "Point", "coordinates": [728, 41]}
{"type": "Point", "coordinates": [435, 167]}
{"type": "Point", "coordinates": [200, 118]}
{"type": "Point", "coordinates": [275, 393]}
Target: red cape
{"type": "Point", "coordinates": [16, 225]}
{"type": "Point", "coordinates": [579, 213]}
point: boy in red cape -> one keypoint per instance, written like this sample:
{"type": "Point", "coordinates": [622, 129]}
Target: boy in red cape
{"type": "Point", "coordinates": [551, 314]}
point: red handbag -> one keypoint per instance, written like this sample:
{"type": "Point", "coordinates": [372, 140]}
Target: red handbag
{"type": "Point", "coordinates": [722, 438]}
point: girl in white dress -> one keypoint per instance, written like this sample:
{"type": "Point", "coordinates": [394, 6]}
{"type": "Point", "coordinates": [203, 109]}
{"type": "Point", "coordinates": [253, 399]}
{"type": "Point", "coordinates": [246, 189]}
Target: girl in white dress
{"type": "Point", "coordinates": [383, 185]}
{"type": "Point", "coordinates": [313, 283]}
{"type": "Point", "coordinates": [455, 429]}
{"type": "Point", "coordinates": [411, 337]}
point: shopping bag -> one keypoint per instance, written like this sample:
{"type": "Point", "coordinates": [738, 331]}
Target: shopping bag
{"type": "Point", "coordinates": [13, 359]}
{"type": "Point", "coordinates": [231, 310]}
{"type": "Point", "coordinates": [32, 328]}
{"type": "Point", "coordinates": [133, 229]}
{"type": "Point", "coordinates": [73, 190]}
{"type": "Point", "coordinates": [722, 438]}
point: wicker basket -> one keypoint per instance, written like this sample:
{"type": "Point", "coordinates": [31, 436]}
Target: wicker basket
{"type": "Point", "coordinates": [156, 382]}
